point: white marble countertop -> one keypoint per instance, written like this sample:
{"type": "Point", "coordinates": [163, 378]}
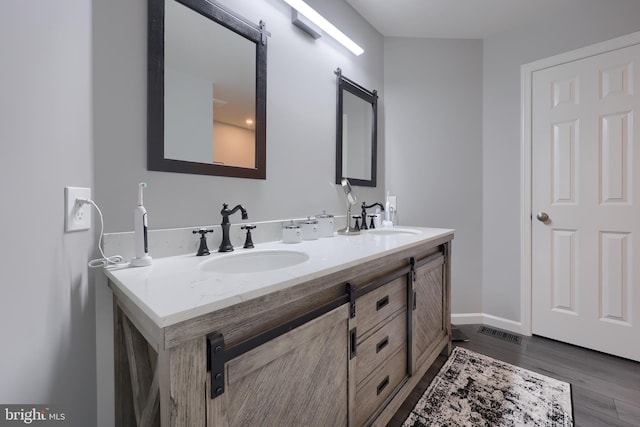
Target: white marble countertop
{"type": "Point", "coordinates": [174, 289]}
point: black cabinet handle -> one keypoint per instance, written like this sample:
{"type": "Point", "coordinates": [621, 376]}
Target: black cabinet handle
{"type": "Point", "coordinates": [382, 344]}
{"type": "Point", "coordinates": [382, 385]}
{"type": "Point", "coordinates": [353, 335]}
{"type": "Point", "coordinates": [382, 302]}
{"type": "Point", "coordinates": [415, 296]}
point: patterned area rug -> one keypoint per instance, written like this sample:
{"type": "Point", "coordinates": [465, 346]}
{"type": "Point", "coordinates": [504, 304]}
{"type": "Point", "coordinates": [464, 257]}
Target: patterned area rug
{"type": "Point", "coordinates": [476, 390]}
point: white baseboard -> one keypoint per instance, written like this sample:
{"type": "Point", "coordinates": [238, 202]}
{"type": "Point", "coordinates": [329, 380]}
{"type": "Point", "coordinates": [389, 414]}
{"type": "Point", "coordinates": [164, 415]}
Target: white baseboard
{"type": "Point", "coordinates": [486, 319]}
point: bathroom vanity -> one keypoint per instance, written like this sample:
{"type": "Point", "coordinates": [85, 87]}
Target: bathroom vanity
{"type": "Point", "coordinates": [330, 332]}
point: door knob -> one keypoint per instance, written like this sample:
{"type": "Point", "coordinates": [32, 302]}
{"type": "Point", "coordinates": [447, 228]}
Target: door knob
{"type": "Point", "coordinates": [542, 216]}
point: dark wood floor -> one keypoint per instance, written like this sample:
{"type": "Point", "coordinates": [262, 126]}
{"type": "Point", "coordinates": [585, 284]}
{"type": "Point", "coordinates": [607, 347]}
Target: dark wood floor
{"type": "Point", "coordinates": [606, 389]}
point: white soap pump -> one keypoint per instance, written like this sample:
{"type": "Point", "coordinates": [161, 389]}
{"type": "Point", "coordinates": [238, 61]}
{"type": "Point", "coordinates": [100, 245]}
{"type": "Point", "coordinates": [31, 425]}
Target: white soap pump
{"type": "Point", "coordinates": [141, 243]}
{"type": "Point", "coordinates": [387, 208]}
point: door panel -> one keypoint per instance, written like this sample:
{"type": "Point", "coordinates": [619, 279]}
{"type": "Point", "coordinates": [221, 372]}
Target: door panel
{"type": "Point", "coordinates": [297, 379]}
{"type": "Point", "coordinates": [429, 324]}
{"type": "Point", "coordinates": [585, 162]}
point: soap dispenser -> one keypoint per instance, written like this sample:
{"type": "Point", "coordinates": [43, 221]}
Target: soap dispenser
{"type": "Point", "coordinates": [387, 210]}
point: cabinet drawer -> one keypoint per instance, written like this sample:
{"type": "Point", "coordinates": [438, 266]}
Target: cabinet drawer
{"type": "Point", "coordinates": [380, 304]}
{"type": "Point", "coordinates": [379, 346]}
{"type": "Point", "coordinates": [380, 385]}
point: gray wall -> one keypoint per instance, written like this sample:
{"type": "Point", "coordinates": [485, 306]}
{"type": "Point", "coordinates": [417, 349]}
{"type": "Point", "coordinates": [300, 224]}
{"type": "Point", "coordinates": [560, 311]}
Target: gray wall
{"type": "Point", "coordinates": [301, 115]}
{"type": "Point", "coordinates": [503, 55]}
{"type": "Point", "coordinates": [47, 311]}
{"type": "Point", "coordinates": [433, 134]}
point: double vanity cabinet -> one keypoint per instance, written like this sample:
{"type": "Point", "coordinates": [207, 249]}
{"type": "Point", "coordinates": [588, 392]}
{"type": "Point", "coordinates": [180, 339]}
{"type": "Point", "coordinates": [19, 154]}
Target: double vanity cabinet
{"type": "Point", "coordinates": [340, 339]}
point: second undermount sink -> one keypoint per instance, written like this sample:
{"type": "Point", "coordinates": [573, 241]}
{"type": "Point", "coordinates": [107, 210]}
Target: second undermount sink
{"type": "Point", "coordinates": [254, 261]}
{"type": "Point", "coordinates": [392, 231]}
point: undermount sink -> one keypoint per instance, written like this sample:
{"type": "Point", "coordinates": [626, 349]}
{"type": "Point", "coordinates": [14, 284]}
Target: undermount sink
{"type": "Point", "coordinates": [393, 231]}
{"type": "Point", "coordinates": [254, 261]}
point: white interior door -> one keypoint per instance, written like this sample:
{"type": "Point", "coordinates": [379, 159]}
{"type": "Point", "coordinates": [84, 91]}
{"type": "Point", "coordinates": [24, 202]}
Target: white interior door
{"type": "Point", "coordinates": [586, 180]}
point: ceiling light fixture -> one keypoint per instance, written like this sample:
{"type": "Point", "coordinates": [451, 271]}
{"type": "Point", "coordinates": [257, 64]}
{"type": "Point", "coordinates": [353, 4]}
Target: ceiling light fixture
{"type": "Point", "coordinates": [325, 25]}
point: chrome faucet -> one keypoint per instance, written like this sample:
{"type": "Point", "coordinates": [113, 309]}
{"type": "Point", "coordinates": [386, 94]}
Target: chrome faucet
{"type": "Point", "coordinates": [364, 214]}
{"type": "Point", "coordinates": [225, 246]}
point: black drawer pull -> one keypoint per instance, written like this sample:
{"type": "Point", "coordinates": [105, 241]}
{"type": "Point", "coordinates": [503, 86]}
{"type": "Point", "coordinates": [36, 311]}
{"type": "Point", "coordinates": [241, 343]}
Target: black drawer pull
{"type": "Point", "coordinates": [382, 302]}
{"type": "Point", "coordinates": [382, 385]}
{"type": "Point", "coordinates": [382, 344]}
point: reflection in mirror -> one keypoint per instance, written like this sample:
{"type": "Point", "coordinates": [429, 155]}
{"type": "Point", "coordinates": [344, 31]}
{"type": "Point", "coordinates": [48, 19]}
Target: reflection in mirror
{"type": "Point", "coordinates": [209, 107]}
{"type": "Point", "coordinates": [356, 135]}
{"type": "Point", "coordinates": [357, 120]}
{"type": "Point", "coordinates": [207, 90]}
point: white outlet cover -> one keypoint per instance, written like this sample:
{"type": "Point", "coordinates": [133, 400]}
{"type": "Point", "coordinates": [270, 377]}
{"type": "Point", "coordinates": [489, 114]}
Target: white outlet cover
{"type": "Point", "coordinates": [77, 218]}
{"type": "Point", "coordinates": [393, 201]}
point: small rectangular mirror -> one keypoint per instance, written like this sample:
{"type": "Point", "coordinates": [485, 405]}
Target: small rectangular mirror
{"type": "Point", "coordinates": [356, 133]}
{"type": "Point", "coordinates": [206, 90]}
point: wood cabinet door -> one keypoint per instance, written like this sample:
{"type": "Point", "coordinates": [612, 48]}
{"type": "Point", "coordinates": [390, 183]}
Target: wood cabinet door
{"type": "Point", "coordinates": [297, 379]}
{"type": "Point", "coordinates": [429, 323]}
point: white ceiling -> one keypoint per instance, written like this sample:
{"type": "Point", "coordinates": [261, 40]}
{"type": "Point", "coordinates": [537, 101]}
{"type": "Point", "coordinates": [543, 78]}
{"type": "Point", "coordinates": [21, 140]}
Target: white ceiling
{"type": "Point", "coordinates": [458, 19]}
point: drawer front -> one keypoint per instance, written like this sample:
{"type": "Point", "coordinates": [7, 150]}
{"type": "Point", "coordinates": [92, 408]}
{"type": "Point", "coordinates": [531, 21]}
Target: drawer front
{"type": "Point", "coordinates": [379, 346]}
{"type": "Point", "coordinates": [380, 385]}
{"type": "Point", "coordinates": [380, 304]}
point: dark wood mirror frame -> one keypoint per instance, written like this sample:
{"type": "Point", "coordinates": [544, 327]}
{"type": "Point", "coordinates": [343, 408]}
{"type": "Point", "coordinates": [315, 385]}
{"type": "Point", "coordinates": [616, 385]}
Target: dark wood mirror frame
{"type": "Point", "coordinates": [155, 90]}
{"type": "Point", "coordinates": [371, 97]}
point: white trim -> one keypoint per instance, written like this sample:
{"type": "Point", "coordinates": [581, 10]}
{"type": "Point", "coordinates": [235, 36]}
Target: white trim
{"type": "Point", "coordinates": [525, 207]}
{"type": "Point", "coordinates": [467, 318]}
{"type": "Point", "coordinates": [526, 78]}
{"type": "Point", "coordinates": [487, 319]}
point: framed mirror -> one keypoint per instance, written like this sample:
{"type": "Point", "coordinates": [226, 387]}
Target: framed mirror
{"type": "Point", "coordinates": [207, 85]}
{"type": "Point", "coordinates": [356, 133]}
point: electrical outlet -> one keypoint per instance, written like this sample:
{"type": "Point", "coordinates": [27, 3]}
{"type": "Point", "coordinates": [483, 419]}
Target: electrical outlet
{"type": "Point", "coordinates": [393, 203]}
{"type": "Point", "coordinates": [77, 217]}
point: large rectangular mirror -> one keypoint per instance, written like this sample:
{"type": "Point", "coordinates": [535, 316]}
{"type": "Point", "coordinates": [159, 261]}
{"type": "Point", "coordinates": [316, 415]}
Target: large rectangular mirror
{"type": "Point", "coordinates": [356, 133]}
{"type": "Point", "coordinates": [206, 90]}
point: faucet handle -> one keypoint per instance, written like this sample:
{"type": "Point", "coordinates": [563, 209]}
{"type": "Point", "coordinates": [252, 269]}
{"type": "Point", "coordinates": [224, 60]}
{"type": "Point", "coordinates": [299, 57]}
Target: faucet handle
{"type": "Point", "coordinates": [248, 243]}
{"type": "Point", "coordinates": [203, 231]}
{"type": "Point", "coordinates": [357, 218]}
{"type": "Point", "coordinates": [203, 249]}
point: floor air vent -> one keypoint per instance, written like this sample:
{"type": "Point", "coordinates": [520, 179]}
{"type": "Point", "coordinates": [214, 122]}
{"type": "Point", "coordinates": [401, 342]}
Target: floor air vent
{"type": "Point", "coordinates": [503, 335]}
